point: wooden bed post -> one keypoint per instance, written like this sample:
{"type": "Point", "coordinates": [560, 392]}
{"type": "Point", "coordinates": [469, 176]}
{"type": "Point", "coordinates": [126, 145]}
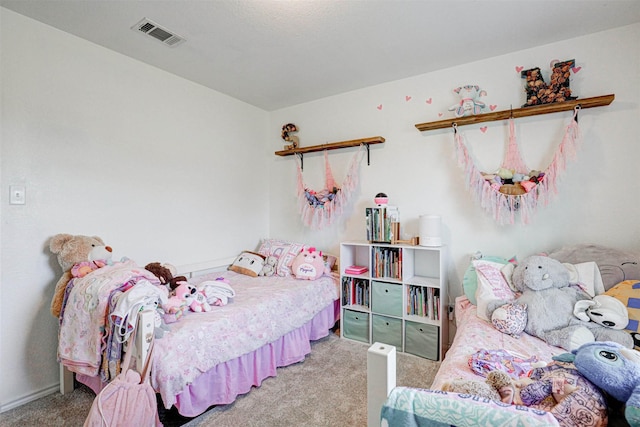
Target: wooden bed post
{"type": "Point", "coordinates": [66, 380]}
{"type": "Point", "coordinates": [381, 379]}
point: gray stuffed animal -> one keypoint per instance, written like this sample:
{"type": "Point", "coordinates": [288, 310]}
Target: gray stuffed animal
{"type": "Point", "coordinates": [544, 284]}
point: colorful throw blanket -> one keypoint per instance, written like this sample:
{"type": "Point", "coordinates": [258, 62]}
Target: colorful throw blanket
{"type": "Point", "coordinates": [84, 327]}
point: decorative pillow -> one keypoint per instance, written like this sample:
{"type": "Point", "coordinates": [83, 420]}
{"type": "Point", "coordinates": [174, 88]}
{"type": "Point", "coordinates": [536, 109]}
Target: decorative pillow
{"type": "Point", "coordinates": [308, 265]}
{"type": "Point", "coordinates": [284, 251]}
{"type": "Point", "coordinates": [470, 280]}
{"type": "Point", "coordinates": [249, 263]}
{"type": "Point", "coordinates": [491, 286]}
{"type": "Point", "coordinates": [628, 292]}
{"type": "Point", "coordinates": [510, 319]}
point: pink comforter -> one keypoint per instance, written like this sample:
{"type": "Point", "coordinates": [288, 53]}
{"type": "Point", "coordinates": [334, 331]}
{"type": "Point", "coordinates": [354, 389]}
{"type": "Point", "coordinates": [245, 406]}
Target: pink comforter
{"type": "Point", "coordinates": [263, 310]}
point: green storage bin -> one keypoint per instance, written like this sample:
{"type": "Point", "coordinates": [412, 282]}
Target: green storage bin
{"type": "Point", "coordinates": [387, 330]}
{"type": "Point", "coordinates": [355, 325]}
{"type": "Point", "coordinates": [386, 298]}
{"type": "Point", "coordinates": [422, 340]}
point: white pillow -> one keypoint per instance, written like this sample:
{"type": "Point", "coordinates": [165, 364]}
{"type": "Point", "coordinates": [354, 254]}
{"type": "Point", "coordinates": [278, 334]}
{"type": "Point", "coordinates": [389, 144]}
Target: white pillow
{"type": "Point", "coordinates": [492, 286]}
{"type": "Point", "coordinates": [588, 275]}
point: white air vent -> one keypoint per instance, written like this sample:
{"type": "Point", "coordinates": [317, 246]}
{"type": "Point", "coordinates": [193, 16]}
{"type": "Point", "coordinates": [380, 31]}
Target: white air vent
{"type": "Point", "coordinates": [159, 33]}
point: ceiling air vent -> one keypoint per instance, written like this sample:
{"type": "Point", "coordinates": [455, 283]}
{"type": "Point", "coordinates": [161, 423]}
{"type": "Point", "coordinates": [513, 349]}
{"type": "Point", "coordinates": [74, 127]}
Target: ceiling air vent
{"type": "Point", "coordinates": [159, 33]}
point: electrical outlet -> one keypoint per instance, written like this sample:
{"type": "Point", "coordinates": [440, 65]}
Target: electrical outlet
{"type": "Point", "coordinates": [17, 195]}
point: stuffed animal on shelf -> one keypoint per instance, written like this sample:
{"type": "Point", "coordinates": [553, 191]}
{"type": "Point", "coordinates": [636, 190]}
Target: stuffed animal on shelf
{"type": "Point", "coordinates": [293, 140]}
{"type": "Point", "coordinates": [89, 252]}
{"type": "Point", "coordinates": [469, 103]}
{"type": "Point", "coordinates": [545, 289]}
{"type": "Point", "coordinates": [308, 265]}
{"type": "Point", "coordinates": [613, 368]}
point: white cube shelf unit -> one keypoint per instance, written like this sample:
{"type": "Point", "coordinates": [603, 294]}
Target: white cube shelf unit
{"type": "Point", "coordinates": [400, 300]}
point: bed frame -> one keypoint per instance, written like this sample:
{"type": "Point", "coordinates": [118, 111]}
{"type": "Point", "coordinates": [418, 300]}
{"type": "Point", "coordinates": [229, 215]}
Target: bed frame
{"type": "Point", "coordinates": [381, 379]}
{"type": "Point", "coordinates": [146, 319]}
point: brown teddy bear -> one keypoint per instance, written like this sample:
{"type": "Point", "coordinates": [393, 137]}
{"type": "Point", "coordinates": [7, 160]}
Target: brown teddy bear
{"type": "Point", "coordinates": [85, 252]}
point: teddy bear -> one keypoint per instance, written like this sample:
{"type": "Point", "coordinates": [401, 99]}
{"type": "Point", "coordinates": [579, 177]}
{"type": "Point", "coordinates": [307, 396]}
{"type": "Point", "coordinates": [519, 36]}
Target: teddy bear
{"type": "Point", "coordinates": [545, 289]}
{"type": "Point", "coordinates": [469, 103]}
{"type": "Point", "coordinates": [269, 267]}
{"type": "Point", "coordinates": [88, 252]}
{"type": "Point", "coordinates": [614, 369]}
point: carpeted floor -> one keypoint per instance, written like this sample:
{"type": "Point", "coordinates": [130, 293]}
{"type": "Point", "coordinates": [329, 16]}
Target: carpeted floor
{"type": "Point", "coordinates": [329, 388]}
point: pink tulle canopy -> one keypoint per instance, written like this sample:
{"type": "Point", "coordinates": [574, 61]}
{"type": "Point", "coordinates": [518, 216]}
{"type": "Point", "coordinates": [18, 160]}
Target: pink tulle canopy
{"type": "Point", "coordinates": [504, 207]}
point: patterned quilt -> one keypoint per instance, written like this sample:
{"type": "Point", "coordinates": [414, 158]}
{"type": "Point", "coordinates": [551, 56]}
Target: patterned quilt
{"type": "Point", "coordinates": [410, 407]}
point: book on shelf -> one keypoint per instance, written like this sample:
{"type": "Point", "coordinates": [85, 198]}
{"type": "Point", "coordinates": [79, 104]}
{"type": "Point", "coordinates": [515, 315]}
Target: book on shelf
{"type": "Point", "coordinates": [356, 269]}
{"type": "Point", "coordinates": [378, 222]}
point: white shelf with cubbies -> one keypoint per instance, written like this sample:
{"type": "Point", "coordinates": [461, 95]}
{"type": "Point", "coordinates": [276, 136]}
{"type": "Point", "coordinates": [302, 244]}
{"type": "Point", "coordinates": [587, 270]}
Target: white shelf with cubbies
{"type": "Point", "coordinates": [401, 298]}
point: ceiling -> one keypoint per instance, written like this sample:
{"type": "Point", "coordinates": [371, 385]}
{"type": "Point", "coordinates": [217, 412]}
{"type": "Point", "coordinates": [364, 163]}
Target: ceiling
{"type": "Point", "coordinates": [274, 54]}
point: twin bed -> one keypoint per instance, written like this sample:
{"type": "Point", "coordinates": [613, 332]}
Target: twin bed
{"type": "Point", "coordinates": [477, 342]}
{"type": "Point", "coordinates": [210, 358]}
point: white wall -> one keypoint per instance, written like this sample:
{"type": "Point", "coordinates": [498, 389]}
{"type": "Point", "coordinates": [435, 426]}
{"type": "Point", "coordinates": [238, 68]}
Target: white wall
{"type": "Point", "coordinates": [105, 145]}
{"type": "Point", "coordinates": [599, 194]}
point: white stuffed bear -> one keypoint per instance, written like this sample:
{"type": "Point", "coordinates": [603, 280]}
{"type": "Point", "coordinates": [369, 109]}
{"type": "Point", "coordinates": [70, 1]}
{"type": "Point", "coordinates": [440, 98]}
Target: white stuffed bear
{"type": "Point", "coordinates": [469, 103]}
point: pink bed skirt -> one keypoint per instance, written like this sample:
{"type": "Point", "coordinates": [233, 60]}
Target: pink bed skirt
{"type": "Point", "coordinates": [223, 383]}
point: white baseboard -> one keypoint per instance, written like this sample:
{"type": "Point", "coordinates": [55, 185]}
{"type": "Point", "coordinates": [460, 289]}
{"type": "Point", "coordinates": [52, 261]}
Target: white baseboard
{"type": "Point", "coordinates": [6, 406]}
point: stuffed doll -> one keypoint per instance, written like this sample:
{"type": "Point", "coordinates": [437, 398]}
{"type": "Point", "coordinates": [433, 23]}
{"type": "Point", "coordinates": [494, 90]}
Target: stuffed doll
{"type": "Point", "coordinates": [613, 368]}
{"type": "Point", "coordinates": [88, 252]}
{"type": "Point", "coordinates": [545, 289]}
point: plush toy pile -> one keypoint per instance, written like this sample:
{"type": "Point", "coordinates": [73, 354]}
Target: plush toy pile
{"type": "Point", "coordinates": [550, 300]}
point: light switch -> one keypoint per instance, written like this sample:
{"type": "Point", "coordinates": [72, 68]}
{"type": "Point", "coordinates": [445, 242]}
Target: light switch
{"type": "Point", "coordinates": [17, 195]}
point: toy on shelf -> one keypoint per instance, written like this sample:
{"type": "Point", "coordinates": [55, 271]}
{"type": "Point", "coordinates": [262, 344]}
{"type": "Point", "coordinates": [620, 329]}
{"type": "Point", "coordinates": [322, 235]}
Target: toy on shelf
{"type": "Point", "coordinates": [293, 140]}
{"type": "Point", "coordinates": [469, 103]}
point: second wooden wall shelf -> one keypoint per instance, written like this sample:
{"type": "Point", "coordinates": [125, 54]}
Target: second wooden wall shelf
{"type": "Point", "coordinates": [598, 101]}
{"type": "Point", "coordinates": [332, 146]}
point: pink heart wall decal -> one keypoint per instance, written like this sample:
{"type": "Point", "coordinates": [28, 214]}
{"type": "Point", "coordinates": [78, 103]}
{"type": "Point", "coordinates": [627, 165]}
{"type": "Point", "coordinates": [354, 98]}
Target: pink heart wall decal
{"type": "Point", "coordinates": [429, 101]}
{"type": "Point", "coordinates": [576, 69]}
{"type": "Point", "coordinates": [439, 114]}
{"type": "Point", "coordinates": [379, 107]}
{"type": "Point", "coordinates": [519, 68]}
{"type": "Point", "coordinates": [483, 129]}
{"type": "Point", "coordinates": [407, 98]}
{"type": "Point", "coordinates": [493, 107]}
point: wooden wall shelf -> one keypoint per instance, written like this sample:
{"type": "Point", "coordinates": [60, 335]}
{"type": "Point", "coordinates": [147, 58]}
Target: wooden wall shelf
{"type": "Point", "coordinates": [331, 146]}
{"type": "Point", "coordinates": [598, 101]}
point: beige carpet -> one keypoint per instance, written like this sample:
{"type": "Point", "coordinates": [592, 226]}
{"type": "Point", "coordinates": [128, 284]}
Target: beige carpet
{"type": "Point", "coordinates": [328, 389]}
